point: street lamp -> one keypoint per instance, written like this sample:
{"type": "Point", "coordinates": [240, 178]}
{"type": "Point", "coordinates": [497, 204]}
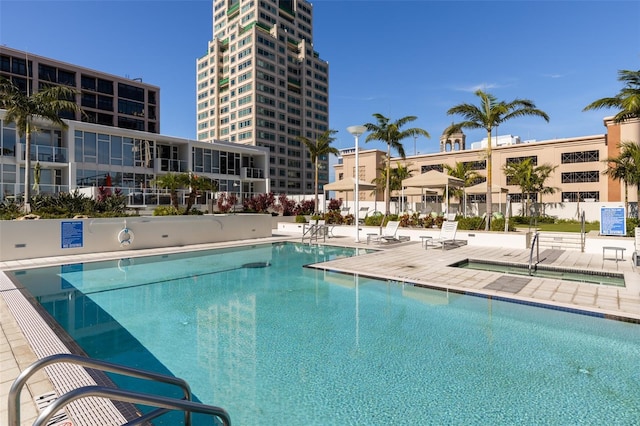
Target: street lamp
{"type": "Point", "coordinates": [356, 131]}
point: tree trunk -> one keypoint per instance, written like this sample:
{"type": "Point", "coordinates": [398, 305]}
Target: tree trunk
{"type": "Point", "coordinates": [27, 171]}
{"type": "Point", "coordinates": [487, 226]}
{"type": "Point", "coordinates": [174, 199]}
{"type": "Point", "coordinates": [315, 207]}
{"type": "Point", "coordinates": [387, 192]}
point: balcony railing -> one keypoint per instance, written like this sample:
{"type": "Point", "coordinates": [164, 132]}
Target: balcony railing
{"type": "Point", "coordinates": [252, 173]}
{"type": "Point", "coordinates": [15, 191]}
{"type": "Point", "coordinates": [179, 166]}
{"type": "Point", "coordinates": [46, 153]}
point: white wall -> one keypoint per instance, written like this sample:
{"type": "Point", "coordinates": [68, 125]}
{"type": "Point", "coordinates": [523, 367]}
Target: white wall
{"type": "Point", "coordinates": [515, 240]}
{"type": "Point", "coordinates": [28, 239]}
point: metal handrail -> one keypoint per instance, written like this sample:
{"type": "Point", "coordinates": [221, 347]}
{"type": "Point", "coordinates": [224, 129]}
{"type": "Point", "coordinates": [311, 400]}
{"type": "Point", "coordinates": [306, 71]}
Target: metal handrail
{"type": "Point", "coordinates": [133, 397]}
{"type": "Point", "coordinates": [535, 243]}
{"type": "Point", "coordinates": [314, 230]}
{"type": "Point", "coordinates": [583, 233]}
{"type": "Point", "coordinates": [20, 381]}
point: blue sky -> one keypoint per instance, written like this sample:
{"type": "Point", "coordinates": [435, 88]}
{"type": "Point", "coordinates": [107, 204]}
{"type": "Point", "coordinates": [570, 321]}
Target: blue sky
{"type": "Point", "coordinates": [396, 58]}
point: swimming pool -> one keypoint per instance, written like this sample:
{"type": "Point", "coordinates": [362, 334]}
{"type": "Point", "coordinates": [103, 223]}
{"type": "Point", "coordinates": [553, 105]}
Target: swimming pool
{"type": "Point", "coordinates": [275, 343]}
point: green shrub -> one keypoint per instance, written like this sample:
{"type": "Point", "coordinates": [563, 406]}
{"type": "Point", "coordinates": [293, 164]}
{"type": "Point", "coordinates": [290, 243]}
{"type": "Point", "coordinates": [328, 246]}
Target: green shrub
{"type": "Point", "coordinates": [348, 219]}
{"type": "Point", "coordinates": [301, 219]}
{"type": "Point", "coordinates": [498, 225]}
{"type": "Point", "coordinates": [472, 223]}
{"type": "Point", "coordinates": [373, 219]}
{"type": "Point", "coordinates": [333, 217]}
{"type": "Point", "coordinates": [632, 223]}
{"type": "Point", "coordinates": [166, 211]}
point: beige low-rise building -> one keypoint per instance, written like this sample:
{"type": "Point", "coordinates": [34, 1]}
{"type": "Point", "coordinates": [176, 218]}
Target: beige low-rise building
{"type": "Point", "coordinates": [578, 177]}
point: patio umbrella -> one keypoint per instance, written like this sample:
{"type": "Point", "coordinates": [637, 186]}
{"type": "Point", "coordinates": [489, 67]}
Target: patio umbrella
{"type": "Point", "coordinates": [348, 185]}
{"type": "Point", "coordinates": [481, 188]}
{"type": "Point", "coordinates": [412, 192]}
{"type": "Point", "coordinates": [433, 179]}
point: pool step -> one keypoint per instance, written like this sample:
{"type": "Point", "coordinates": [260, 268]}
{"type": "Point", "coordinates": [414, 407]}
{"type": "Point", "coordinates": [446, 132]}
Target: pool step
{"type": "Point", "coordinates": [561, 240]}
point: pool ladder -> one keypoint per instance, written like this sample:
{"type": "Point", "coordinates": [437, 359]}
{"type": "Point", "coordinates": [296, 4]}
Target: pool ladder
{"type": "Point", "coordinates": [163, 404]}
{"type": "Point", "coordinates": [535, 244]}
{"type": "Point", "coordinates": [315, 231]}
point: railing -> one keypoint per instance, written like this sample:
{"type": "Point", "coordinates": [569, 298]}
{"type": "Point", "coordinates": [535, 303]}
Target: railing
{"type": "Point", "coordinates": [46, 153]}
{"type": "Point", "coordinates": [314, 231]}
{"type": "Point", "coordinates": [583, 233]}
{"type": "Point", "coordinates": [252, 173]}
{"type": "Point", "coordinates": [167, 165]}
{"type": "Point", "coordinates": [163, 404]}
{"type": "Point", "coordinates": [535, 243]}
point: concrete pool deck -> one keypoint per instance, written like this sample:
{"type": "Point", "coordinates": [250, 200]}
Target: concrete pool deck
{"type": "Point", "coordinates": [23, 340]}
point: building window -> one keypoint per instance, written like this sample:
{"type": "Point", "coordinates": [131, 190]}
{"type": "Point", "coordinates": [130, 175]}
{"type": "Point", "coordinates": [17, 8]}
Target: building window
{"type": "Point", "coordinates": [513, 160]}
{"type": "Point", "coordinates": [476, 165]}
{"type": "Point", "coordinates": [573, 197]}
{"type": "Point", "coordinates": [130, 92]}
{"type": "Point", "coordinates": [581, 177]}
{"type": "Point", "coordinates": [105, 86]}
{"type": "Point", "coordinates": [580, 157]}
{"type": "Point", "coordinates": [429, 167]}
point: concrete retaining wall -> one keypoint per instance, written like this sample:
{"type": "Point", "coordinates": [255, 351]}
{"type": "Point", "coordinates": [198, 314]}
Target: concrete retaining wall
{"type": "Point", "coordinates": [29, 239]}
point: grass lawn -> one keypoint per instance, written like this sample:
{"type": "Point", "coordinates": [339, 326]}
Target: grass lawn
{"type": "Point", "coordinates": [564, 227]}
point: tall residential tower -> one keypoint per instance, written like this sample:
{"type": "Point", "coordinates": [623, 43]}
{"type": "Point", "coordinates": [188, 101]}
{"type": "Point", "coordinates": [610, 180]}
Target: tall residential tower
{"type": "Point", "coordinates": [262, 83]}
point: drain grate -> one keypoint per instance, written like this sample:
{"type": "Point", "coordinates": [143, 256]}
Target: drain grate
{"type": "Point", "coordinates": [60, 418]}
{"type": "Point", "coordinates": [508, 284]}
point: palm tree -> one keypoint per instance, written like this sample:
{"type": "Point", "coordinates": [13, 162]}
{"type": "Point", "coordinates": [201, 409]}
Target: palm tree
{"type": "Point", "coordinates": [318, 148]}
{"type": "Point", "coordinates": [24, 108]}
{"type": "Point", "coordinates": [541, 174]}
{"type": "Point", "coordinates": [620, 169]}
{"type": "Point", "coordinates": [626, 167]}
{"type": "Point", "coordinates": [399, 173]}
{"type": "Point", "coordinates": [464, 171]}
{"type": "Point", "coordinates": [196, 184]}
{"type": "Point", "coordinates": [627, 100]}
{"type": "Point", "coordinates": [531, 179]}
{"type": "Point", "coordinates": [489, 114]}
{"type": "Point", "coordinates": [390, 133]}
{"type": "Point", "coordinates": [172, 182]}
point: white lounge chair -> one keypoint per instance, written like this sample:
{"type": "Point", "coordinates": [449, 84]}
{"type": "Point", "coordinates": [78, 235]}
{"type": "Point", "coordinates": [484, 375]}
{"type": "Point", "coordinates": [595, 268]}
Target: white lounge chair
{"type": "Point", "coordinates": [362, 214]}
{"type": "Point", "coordinates": [388, 233]}
{"type": "Point", "coordinates": [447, 236]}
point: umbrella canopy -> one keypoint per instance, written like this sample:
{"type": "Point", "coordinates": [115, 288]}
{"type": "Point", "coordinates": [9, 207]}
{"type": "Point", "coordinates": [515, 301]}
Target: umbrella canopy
{"type": "Point", "coordinates": [348, 184]}
{"type": "Point", "coordinates": [412, 191]}
{"type": "Point", "coordinates": [433, 179]}
{"type": "Point", "coordinates": [481, 188]}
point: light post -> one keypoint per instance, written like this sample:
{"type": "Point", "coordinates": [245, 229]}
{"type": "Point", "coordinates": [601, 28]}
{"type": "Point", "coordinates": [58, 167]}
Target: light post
{"type": "Point", "coordinates": [356, 131]}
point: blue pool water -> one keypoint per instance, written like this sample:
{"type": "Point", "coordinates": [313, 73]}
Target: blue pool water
{"type": "Point", "coordinates": [275, 343]}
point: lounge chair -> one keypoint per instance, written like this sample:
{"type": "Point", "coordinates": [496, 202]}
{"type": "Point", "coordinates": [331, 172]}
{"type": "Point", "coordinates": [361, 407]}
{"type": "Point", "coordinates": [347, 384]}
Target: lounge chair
{"type": "Point", "coordinates": [388, 233]}
{"type": "Point", "coordinates": [362, 214]}
{"type": "Point", "coordinates": [447, 237]}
